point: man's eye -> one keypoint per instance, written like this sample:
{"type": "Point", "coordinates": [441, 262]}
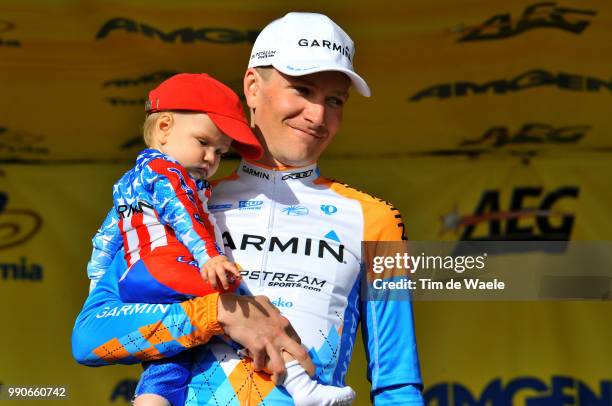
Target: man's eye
{"type": "Point", "coordinates": [220, 153]}
{"type": "Point", "coordinates": [302, 90]}
{"type": "Point", "coordinates": [335, 101]}
{"type": "Point", "coordinates": [202, 142]}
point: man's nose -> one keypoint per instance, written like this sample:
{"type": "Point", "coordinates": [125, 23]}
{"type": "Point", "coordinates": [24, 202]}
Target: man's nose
{"type": "Point", "coordinates": [314, 113]}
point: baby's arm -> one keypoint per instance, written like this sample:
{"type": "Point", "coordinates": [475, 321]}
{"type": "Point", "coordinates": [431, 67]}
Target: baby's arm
{"type": "Point", "coordinates": [106, 243]}
{"type": "Point", "coordinates": [222, 269]}
{"type": "Point", "coordinates": [176, 200]}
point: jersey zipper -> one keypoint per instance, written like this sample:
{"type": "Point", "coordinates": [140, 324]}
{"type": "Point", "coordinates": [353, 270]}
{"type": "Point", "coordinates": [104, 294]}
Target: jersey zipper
{"type": "Point", "coordinates": [264, 257]}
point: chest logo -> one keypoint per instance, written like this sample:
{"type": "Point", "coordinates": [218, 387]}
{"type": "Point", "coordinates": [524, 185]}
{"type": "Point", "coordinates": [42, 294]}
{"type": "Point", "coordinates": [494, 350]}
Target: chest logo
{"type": "Point", "coordinates": [329, 209]}
{"type": "Point", "coordinates": [296, 210]}
{"type": "Point", "coordinates": [250, 204]}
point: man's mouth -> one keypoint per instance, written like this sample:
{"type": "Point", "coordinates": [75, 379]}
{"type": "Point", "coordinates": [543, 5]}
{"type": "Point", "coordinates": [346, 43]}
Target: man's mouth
{"type": "Point", "coordinates": [312, 133]}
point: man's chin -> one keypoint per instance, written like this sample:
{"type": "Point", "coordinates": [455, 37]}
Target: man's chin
{"type": "Point", "coordinates": [296, 161]}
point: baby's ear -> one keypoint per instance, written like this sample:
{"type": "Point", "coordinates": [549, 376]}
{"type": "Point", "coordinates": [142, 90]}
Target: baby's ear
{"type": "Point", "coordinates": [163, 127]}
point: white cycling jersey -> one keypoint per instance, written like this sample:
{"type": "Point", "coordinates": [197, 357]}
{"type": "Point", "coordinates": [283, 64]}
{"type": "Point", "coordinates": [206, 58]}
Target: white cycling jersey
{"type": "Point", "coordinates": [298, 237]}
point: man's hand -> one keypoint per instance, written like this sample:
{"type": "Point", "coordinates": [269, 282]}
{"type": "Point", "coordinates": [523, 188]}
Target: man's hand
{"type": "Point", "coordinates": [255, 323]}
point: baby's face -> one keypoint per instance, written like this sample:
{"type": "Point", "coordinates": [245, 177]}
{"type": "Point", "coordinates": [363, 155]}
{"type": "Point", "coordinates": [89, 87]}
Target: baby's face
{"type": "Point", "coordinates": [196, 142]}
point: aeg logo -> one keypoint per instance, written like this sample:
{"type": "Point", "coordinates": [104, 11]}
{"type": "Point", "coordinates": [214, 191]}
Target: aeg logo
{"type": "Point", "coordinates": [186, 35]}
{"type": "Point", "coordinates": [530, 133]}
{"type": "Point", "coordinates": [503, 224]}
{"type": "Point", "coordinates": [539, 15]}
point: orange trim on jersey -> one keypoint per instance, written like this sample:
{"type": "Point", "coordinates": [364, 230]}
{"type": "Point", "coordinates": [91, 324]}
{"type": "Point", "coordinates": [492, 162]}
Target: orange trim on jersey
{"type": "Point", "coordinates": [148, 354]}
{"type": "Point", "coordinates": [251, 387]}
{"type": "Point", "coordinates": [202, 311]}
{"type": "Point", "coordinates": [272, 168]}
{"type": "Point", "coordinates": [382, 221]}
{"type": "Point", "coordinates": [189, 340]}
{"type": "Point", "coordinates": [112, 351]}
{"type": "Point", "coordinates": [156, 333]}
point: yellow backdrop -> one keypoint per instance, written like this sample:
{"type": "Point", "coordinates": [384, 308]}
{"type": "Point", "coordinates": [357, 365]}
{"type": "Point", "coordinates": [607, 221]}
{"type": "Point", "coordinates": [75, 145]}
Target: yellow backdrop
{"type": "Point", "coordinates": [474, 105]}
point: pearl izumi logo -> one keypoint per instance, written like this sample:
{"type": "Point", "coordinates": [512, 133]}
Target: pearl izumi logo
{"type": "Point", "coordinates": [332, 46]}
{"type": "Point", "coordinates": [539, 15]}
{"type": "Point", "coordinates": [527, 80]}
{"type": "Point", "coordinates": [184, 35]}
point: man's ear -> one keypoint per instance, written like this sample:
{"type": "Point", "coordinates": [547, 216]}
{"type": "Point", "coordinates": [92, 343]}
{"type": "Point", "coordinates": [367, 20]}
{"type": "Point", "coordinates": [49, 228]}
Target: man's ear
{"type": "Point", "coordinates": [163, 127]}
{"type": "Point", "coordinates": [251, 84]}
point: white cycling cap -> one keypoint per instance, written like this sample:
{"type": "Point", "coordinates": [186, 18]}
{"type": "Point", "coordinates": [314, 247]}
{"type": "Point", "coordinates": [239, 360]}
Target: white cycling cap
{"type": "Point", "coordinates": [303, 43]}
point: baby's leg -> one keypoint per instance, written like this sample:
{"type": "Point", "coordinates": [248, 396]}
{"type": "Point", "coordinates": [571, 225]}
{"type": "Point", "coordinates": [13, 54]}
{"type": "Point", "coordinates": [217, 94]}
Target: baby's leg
{"type": "Point", "coordinates": [306, 391]}
{"type": "Point", "coordinates": [167, 378]}
{"type": "Point", "coordinates": [164, 277]}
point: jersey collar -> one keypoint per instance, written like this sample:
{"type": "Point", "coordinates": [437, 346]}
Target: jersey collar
{"type": "Point", "coordinates": [263, 173]}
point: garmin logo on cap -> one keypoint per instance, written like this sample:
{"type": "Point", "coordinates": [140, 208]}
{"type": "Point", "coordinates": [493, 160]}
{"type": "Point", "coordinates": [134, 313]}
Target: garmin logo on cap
{"type": "Point", "coordinates": [333, 46]}
{"type": "Point", "coordinates": [263, 54]}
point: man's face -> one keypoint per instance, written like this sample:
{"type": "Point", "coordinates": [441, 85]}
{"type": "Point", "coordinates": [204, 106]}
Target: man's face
{"type": "Point", "coordinates": [296, 117]}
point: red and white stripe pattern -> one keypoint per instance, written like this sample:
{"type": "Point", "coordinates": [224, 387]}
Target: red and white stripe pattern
{"type": "Point", "coordinates": [142, 233]}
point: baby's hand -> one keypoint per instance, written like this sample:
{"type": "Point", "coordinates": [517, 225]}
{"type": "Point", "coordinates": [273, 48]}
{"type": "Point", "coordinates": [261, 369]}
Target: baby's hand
{"type": "Point", "coordinates": [219, 268]}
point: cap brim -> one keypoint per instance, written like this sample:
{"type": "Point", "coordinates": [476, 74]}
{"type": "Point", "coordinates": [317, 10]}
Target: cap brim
{"type": "Point", "coordinates": [244, 141]}
{"type": "Point", "coordinates": [360, 85]}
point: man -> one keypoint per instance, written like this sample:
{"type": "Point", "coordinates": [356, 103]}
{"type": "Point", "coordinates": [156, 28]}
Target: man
{"type": "Point", "coordinates": [296, 234]}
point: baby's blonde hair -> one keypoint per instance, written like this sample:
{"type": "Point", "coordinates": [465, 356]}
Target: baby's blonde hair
{"type": "Point", "coordinates": [148, 126]}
